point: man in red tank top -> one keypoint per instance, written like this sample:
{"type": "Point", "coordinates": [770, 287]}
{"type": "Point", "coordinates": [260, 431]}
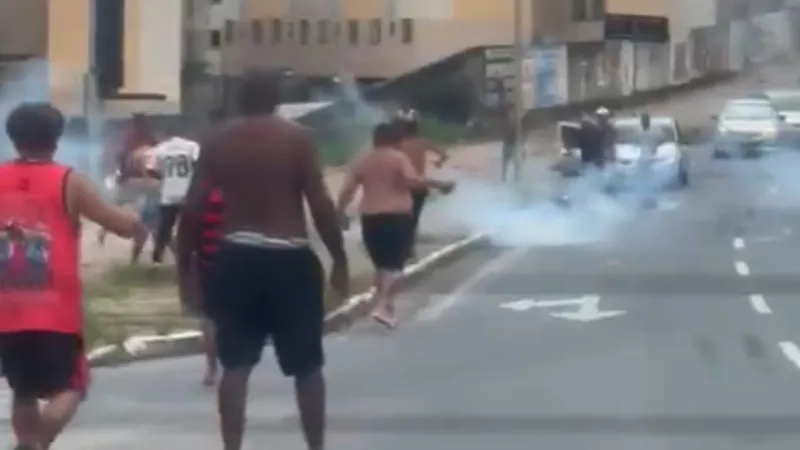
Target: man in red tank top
{"type": "Point", "coordinates": [41, 315]}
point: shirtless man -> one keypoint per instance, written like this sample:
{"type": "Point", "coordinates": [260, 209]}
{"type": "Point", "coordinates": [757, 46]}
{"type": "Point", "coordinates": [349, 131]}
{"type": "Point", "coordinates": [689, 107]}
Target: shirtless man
{"type": "Point", "coordinates": [126, 180]}
{"type": "Point", "coordinates": [388, 180]}
{"type": "Point", "coordinates": [417, 148]}
{"type": "Point", "coordinates": [266, 281]}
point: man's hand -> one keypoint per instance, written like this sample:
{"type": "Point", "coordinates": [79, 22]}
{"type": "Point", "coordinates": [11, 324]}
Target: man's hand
{"type": "Point", "coordinates": [440, 162]}
{"type": "Point", "coordinates": [446, 187]}
{"type": "Point", "coordinates": [340, 278]}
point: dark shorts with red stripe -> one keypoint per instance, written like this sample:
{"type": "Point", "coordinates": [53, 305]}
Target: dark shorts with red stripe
{"type": "Point", "coordinates": [41, 364]}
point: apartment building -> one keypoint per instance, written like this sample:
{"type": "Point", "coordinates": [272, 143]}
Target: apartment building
{"type": "Point", "coordinates": [384, 38]}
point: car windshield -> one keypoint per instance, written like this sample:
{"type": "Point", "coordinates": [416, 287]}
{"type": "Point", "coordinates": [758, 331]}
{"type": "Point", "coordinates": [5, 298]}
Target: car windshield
{"type": "Point", "coordinates": [631, 133]}
{"type": "Point", "coordinates": [747, 111]}
{"type": "Point", "coordinates": [787, 103]}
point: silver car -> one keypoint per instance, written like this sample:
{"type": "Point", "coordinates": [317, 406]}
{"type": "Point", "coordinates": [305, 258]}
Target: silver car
{"type": "Point", "coordinates": [787, 104]}
{"type": "Point", "coordinates": [747, 128]}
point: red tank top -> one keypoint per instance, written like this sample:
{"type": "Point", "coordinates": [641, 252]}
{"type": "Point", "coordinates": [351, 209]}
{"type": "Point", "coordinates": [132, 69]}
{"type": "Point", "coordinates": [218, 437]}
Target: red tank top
{"type": "Point", "coordinates": [40, 288]}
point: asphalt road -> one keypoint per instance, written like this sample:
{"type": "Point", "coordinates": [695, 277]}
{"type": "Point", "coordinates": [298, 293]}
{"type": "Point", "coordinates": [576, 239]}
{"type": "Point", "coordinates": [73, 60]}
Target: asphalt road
{"type": "Point", "coordinates": [692, 343]}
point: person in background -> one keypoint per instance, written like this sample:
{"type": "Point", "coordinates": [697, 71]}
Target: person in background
{"type": "Point", "coordinates": [590, 139]}
{"type": "Point", "coordinates": [416, 147]}
{"type": "Point", "coordinates": [126, 180]}
{"type": "Point", "coordinates": [387, 178]}
{"type": "Point", "coordinates": [607, 136]}
{"type": "Point", "coordinates": [42, 349]}
{"type": "Point", "coordinates": [650, 139]}
{"type": "Point", "coordinates": [205, 250]}
{"type": "Point", "coordinates": [172, 163]}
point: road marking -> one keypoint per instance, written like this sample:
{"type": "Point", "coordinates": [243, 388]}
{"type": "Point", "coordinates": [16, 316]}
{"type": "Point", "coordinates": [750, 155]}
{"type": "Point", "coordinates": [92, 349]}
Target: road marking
{"type": "Point", "coordinates": [738, 243]}
{"type": "Point", "coordinates": [435, 310]}
{"type": "Point", "coordinates": [742, 268]}
{"type": "Point", "coordinates": [791, 352]}
{"type": "Point", "coordinates": [759, 303]}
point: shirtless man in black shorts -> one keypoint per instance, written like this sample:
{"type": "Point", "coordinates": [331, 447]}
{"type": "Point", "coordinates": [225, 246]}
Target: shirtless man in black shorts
{"type": "Point", "coordinates": [266, 281]}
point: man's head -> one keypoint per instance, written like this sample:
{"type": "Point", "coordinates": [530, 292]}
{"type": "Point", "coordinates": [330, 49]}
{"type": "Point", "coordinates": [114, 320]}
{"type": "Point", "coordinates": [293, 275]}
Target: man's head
{"type": "Point", "coordinates": [386, 134]}
{"type": "Point", "coordinates": [603, 114]}
{"type": "Point", "coordinates": [35, 128]}
{"type": "Point", "coordinates": [259, 93]}
{"type": "Point", "coordinates": [645, 120]}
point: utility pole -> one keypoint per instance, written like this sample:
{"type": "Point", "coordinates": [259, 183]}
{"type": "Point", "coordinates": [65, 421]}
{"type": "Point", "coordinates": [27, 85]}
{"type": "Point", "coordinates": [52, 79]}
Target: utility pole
{"type": "Point", "coordinates": [519, 104]}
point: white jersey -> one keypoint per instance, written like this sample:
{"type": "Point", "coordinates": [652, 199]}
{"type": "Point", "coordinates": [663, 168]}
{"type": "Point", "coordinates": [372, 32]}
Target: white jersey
{"type": "Point", "coordinates": [174, 159]}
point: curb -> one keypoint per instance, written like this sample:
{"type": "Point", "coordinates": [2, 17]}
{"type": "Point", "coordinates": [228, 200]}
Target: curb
{"type": "Point", "coordinates": [189, 342]}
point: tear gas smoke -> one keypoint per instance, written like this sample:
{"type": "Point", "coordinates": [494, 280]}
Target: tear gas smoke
{"type": "Point", "coordinates": [31, 81]}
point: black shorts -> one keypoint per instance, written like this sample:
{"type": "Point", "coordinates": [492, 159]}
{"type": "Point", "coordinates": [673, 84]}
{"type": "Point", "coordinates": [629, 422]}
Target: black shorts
{"type": "Point", "coordinates": [387, 237]}
{"type": "Point", "coordinates": [167, 217]}
{"type": "Point", "coordinates": [40, 364]}
{"type": "Point", "coordinates": [254, 294]}
{"type": "Point", "coordinates": [418, 198]}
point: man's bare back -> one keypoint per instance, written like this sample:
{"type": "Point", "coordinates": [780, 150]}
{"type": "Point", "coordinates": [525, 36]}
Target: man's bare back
{"type": "Point", "coordinates": [265, 165]}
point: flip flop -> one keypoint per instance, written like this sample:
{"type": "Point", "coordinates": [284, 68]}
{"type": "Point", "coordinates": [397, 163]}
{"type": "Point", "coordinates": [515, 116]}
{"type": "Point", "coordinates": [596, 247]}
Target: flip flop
{"type": "Point", "coordinates": [388, 323]}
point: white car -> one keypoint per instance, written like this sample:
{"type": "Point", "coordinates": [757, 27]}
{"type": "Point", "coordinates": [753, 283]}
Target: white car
{"type": "Point", "coordinates": [670, 164]}
{"type": "Point", "coordinates": [747, 128]}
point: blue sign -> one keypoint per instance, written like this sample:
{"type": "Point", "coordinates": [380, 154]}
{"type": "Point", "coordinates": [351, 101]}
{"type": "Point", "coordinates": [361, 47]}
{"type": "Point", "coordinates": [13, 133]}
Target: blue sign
{"type": "Point", "coordinates": [545, 73]}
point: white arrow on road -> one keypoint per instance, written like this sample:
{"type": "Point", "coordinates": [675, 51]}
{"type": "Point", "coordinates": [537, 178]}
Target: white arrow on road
{"type": "Point", "coordinates": [527, 303]}
{"type": "Point", "coordinates": [588, 310]}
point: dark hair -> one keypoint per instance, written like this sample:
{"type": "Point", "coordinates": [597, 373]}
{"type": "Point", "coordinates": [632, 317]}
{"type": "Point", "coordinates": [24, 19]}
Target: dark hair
{"type": "Point", "coordinates": [259, 92]}
{"type": "Point", "coordinates": [35, 127]}
{"type": "Point", "coordinates": [386, 134]}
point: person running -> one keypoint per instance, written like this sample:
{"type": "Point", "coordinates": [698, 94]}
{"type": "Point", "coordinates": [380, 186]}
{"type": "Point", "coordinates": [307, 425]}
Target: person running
{"type": "Point", "coordinates": [266, 281]}
{"type": "Point", "coordinates": [145, 184]}
{"type": "Point", "coordinates": [41, 316]}
{"type": "Point", "coordinates": [205, 250]}
{"type": "Point", "coordinates": [138, 134]}
{"type": "Point", "coordinates": [387, 178]}
{"type": "Point", "coordinates": [416, 148]}
{"type": "Point", "coordinates": [172, 162]}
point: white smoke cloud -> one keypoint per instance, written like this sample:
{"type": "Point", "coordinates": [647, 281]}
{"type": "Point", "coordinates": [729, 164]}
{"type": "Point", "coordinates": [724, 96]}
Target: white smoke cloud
{"type": "Point", "coordinates": [32, 81]}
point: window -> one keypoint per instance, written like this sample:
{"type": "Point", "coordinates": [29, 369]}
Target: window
{"type": "Point", "coordinates": [305, 31]}
{"type": "Point", "coordinates": [407, 31]}
{"type": "Point", "coordinates": [598, 9]}
{"type": "Point", "coordinates": [322, 31]}
{"type": "Point", "coordinates": [392, 28]}
{"type": "Point", "coordinates": [258, 31]}
{"type": "Point", "coordinates": [375, 31]}
{"type": "Point", "coordinates": [215, 38]}
{"type": "Point", "coordinates": [277, 31]}
{"type": "Point", "coordinates": [229, 31]}
{"type": "Point", "coordinates": [579, 10]}
{"type": "Point", "coordinates": [290, 31]}
{"type": "Point", "coordinates": [352, 32]}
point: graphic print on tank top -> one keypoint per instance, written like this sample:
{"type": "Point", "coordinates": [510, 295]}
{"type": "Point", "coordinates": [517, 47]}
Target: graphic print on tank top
{"type": "Point", "coordinates": [26, 240]}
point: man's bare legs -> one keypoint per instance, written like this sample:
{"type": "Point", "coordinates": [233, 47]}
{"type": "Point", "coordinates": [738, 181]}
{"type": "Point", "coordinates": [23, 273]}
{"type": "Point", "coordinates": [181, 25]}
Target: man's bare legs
{"type": "Point", "coordinates": [137, 248]}
{"type": "Point", "coordinates": [210, 350]}
{"type": "Point", "coordinates": [385, 289]}
{"type": "Point", "coordinates": [310, 395]}
{"type": "Point", "coordinates": [36, 428]}
{"type": "Point", "coordinates": [232, 406]}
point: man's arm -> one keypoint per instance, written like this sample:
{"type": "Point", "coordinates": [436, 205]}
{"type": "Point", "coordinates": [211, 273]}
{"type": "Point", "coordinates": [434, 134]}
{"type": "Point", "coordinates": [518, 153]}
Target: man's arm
{"type": "Point", "coordinates": [84, 200]}
{"type": "Point", "coordinates": [326, 219]}
{"type": "Point", "coordinates": [348, 190]}
{"type": "Point", "coordinates": [443, 156]}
